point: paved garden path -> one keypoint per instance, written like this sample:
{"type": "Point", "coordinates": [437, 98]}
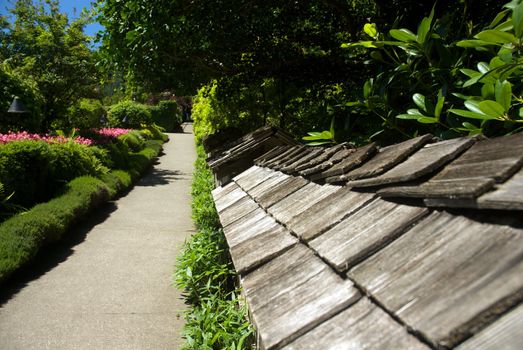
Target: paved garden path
{"type": "Point", "coordinates": [109, 286]}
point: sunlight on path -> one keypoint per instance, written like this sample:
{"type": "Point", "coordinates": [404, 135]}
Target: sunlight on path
{"type": "Point", "coordinates": [112, 287]}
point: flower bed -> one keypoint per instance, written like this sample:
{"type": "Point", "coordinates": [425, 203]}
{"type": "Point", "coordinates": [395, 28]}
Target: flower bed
{"type": "Point", "coordinates": [24, 135]}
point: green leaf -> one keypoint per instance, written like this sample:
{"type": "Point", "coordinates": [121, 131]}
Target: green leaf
{"type": "Point", "coordinates": [427, 120]}
{"type": "Point", "coordinates": [469, 114]}
{"type": "Point", "coordinates": [367, 44]}
{"type": "Point", "coordinates": [503, 94]}
{"type": "Point", "coordinates": [487, 91]}
{"type": "Point", "coordinates": [404, 35]}
{"type": "Point", "coordinates": [492, 108]}
{"type": "Point", "coordinates": [131, 35]}
{"type": "Point", "coordinates": [419, 100]}
{"type": "Point", "coordinates": [439, 104]}
{"type": "Point", "coordinates": [505, 26]}
{"type": "Point", "coordinates": [367, 87]}
{"type": "Point", "coordinates": [424, 27]}
{"type": "Point", "coordinates": [517, 19]}
{"type": "Point", "coordinates": [411, 114]}
{"type": "Point", "coordinates": [483, 67]}
{"type": "Point", "coordinates": [469, 126]}
{"type": "Point", "coordinates": [474, 43]}
{"type": "Point", "coordinates": [498, 18]}
{"type": "Point", "coordinates": [521, 112]}
{"type": "Point", "coordinates": [370, 30]}
{"type": "Point", "coordinates": [473, 106]}
{"type": "Point", "coordinates": [470, 72]}
{"type": "Point", "coordinates": [496, 36]}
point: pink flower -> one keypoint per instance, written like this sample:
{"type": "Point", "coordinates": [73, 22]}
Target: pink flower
{"type": "Point", "coordinates": [24, 135]}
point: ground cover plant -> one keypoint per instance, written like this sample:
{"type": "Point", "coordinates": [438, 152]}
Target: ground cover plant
{"type": "Point", "coordinates": [217, 319]}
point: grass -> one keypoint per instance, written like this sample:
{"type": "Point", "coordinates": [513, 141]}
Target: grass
{"type": "Point", "coordinates": [24, 235]}
{"type": "Point", "coordinates": [216, 319]}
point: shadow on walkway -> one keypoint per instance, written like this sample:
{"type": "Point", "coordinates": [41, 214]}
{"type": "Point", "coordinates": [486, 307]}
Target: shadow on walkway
{"type": "Point", "coordinates": [157, 177]}
{"type": "Point", "coordinates": [54, 255]}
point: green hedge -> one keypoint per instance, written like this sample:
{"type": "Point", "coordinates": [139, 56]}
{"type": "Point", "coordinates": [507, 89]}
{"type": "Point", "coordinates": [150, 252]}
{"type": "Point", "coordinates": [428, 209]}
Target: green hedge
{"type": "Point", "coordinates": [24, 235]}
{"type": "Point", "coordinates": [34, 170]}
{"type": "Point", "coordinates": [129, 114]}
{"type": "Point", "coordinates": [167, 115]}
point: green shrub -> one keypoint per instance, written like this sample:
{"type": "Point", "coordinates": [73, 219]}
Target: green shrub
{"type": "Point", "coordinates": [85, 114]}
{"type": "Point", "coordinates": [34, 170]}
{"type": "Point", "coordinates": [133, 140]}
{"type": "Point", "coordinates": [167, 115]}
{"type": "Point", "coordinates": [129, 114]}
{"type": "Point", "coordinates": [23, 235]}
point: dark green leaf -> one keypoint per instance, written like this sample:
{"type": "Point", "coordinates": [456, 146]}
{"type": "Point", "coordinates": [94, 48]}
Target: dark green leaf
{"type": "Point", "coordinates": [439, 104]}
{"type": "Point", "coordinates": [419, 100]}
{"type": "Point", "coordinates": [517, 19]}
{"type": "Point", "coordinates": [496, 36]}
{"type": "Point", "coordinates": [498, 18]}
{"type": "Point", "coordinates": [504, 94]}
{"type": "Point", "coordinates": [474, 43]}
{"type": "Point", "coordinates": [427, 120]}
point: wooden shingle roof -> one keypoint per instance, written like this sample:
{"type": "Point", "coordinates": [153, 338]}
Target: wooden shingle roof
{"type": "Point", "coordinates": [418, 245]}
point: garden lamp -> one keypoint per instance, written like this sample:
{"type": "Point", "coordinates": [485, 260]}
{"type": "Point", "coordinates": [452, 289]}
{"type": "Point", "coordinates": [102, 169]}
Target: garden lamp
{"type": "Point", "coordinates": [125, 120]}
{"type": "Point", "coordinates": [17, 107]}
{"type": "Point", "coordinates": [103, 120]}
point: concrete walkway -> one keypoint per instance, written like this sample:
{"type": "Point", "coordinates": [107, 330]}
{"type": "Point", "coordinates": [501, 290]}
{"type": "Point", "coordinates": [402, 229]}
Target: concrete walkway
{"type": "Point", "coordinates": [109, 286]}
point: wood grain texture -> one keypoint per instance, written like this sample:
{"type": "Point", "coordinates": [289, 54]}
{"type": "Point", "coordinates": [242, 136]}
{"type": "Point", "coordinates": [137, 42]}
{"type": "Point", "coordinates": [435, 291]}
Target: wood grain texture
{"type": "Point", "coordinates": [427, 160]}
{"type": "Point", "coordinates": [324, 156]}
{"type": "Point", "coordinates": [234, 195]}
{"type": "Point", "coordinates": [326, 213]}
{"type": "Point", "coordinates": [447, 276]}
{"type": "Point", "coordinates": [452, 189]}
{"type": "Point", "coordinates": [504, 334]}
{"type": "Point", "coordinates": [290, 151]}
{"type": "Point", "coordinates": [253, 177]}
{"type": "Point", "coordinates": [363, 326]}
{"type": "Point", "coordinates": [299, 201]}
{"type": "Point", "coordinates": [291, 167]}
{"type": "Point", "coordinates": [292, 158]}
{"type": "Point", "coordinates": [508, 196]}
{"type": "Point", "coordinates": [274, 152]}
{"type": "Point", "coordinates": [292, 294]}
{"type": "Point", "coordinates": [260, 248]}
{"type": "Point", "coordinates": [327, 164]}
{"type": "Point", "coordinates": [221, 191]}
{"type": "Point", "coordinates": [387, 158]}
{"type": "Point", "coordinates": [269, 184]}
{"type": "Point", "coordinates": [248, 227]}
{"type": "Point", "coordinates": [236, 211]}
{"type": "Point", "coordinates": [364, 232]}
{"type": "Point", "coordinates": [352, 161]}
{"type": "Point", "coordinates": [280, 191]}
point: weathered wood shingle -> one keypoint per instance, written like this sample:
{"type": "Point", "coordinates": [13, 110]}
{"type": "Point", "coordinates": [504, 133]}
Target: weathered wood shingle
{"type": "Point", "coordinates": [447, 275]}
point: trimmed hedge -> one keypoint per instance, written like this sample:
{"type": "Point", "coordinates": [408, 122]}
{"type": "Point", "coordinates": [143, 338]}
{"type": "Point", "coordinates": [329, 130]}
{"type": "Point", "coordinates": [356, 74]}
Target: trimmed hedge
{"type": "Point", "coordinates": [24, 235]}
{"type": "Point", "coordinates": [167, 115]}
{"type": "Point", "coordinates": [129, 114]}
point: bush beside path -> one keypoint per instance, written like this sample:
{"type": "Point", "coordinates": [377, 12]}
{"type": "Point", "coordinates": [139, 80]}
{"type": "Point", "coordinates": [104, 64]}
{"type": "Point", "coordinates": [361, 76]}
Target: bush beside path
{"type": "Point", "coordinates": [113, 289]}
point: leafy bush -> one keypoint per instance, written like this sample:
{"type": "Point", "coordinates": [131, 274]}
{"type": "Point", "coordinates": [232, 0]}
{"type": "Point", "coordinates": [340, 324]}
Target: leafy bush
{"type": "Point", "coordinates": [129, 114]}
{"type": "Point", "coordinates": [426, 75]}
{"type": "Point", "coordinates": [167, 115]}
{"type": "Point", "coordinates": [133, 140]}
{"type": "Point", "coordinates": [24, 235]}
{"type": "Point", "coordinates": [34, 170]}
{"type": "Point", "coordinates": [85, 114]}
{"type": "Point", "coordinates": [204, 270]}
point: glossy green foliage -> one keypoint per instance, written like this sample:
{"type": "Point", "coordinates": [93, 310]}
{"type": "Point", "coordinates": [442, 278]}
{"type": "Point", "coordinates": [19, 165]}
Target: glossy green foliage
{"type": "Point", "coordinates": [429, 74]}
